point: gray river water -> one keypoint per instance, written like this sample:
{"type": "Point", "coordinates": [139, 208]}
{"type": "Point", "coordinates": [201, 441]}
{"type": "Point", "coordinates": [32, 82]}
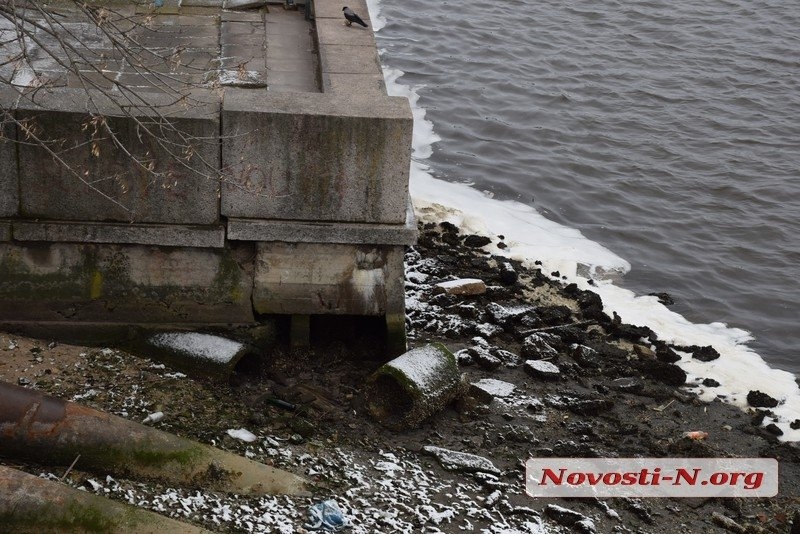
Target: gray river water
{"type": "Point", "coordinates": [667, 131]}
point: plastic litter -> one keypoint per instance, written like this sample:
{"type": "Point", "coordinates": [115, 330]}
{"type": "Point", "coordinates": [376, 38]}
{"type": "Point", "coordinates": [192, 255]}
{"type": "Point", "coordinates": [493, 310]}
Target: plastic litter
{"type": "Point", "coordinates": [325, 516]}
{"type": "Point", "coordinates": [696, 435]}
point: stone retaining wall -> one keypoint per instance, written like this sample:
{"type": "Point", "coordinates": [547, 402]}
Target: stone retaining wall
{"type": "Point", "coordinates": [226, 204]}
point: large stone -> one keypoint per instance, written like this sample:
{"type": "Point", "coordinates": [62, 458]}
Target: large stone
{"type": "Point", "coordinates": [317, 157]}
{"type": "Point", "coordinates": [94, 179]}
{"type": "Point", "coordinates": [66, 282]}
{"type": "Point", "coordinates": [168, 235]}
{"type": "Point", "coordinates": [310, 278]}
{"type": "Point", "coordinates": [9, 197]}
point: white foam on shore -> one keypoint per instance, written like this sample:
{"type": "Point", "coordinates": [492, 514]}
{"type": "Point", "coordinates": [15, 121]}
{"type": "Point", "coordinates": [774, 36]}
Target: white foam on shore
{"type": "Point", "coordinates": [530, 237]}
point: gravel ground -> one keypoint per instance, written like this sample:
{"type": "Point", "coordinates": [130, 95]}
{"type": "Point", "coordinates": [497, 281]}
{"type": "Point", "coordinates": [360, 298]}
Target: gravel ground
{"type": "Point", "coordinates": [552, 376]}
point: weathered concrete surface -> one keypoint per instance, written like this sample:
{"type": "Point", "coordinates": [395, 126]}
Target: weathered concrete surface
{"type": "Point", "coordinates": [168, 235]}
{"type": "Point", "coordinates": [320, 232]}
{"type": "Point", "coordinates": [124, 284]}
{"type": "Point", "coordinates": [312, 151]}
{"type": "Point", "coordinates": [9, 190]}
{"type": "Point", "coordinates": [317, 157]}
{"type": "Point", "coordinates": [310, 278]}
{"type": "Point", "coordinates": [104, 183]}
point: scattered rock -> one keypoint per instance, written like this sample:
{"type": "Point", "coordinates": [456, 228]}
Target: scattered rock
{"type": "Point", "coordinates": [705, 354]}
{"type": "Point", "coordinates": [536, 347]}
{"type": "Point", "coordinates": [569, 518]}
{"type": "Point", "coordinates": [542, 369]}
{"type": "Point", "coordinates": [493, 388]}
{"type": "Point", "coordinates": [485, 359]}
{"type": "Point", "coordinates": [461, 286]}
{"type": "Point", "coordinates": [627, 385]}
{"type": "Point", "coordinates": [462, 462]}
{"type": "Point", "coordinates": [476, 241]}
{"type": "Point", "coordinates": [585, 356]}
{"type": "Point", "coordinates": [663, 298]}
{"type": "Point", "coordinates": [668, 373]}
{"type": "Point", "coordinates": [508, 276]}
{"type": "Point", "coordinates": [758, 399]}
{"type": "Point", "coordinates": [727, 523]}
{"type": "Point", "coordinates": [710, 383]}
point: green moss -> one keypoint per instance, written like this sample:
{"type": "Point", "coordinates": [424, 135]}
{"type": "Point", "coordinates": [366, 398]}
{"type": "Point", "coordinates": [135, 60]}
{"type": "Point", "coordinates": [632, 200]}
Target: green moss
{"type": "Point", "coordinates": [156, 458]}
{"type": "Point", "coordinates": [72, 517]}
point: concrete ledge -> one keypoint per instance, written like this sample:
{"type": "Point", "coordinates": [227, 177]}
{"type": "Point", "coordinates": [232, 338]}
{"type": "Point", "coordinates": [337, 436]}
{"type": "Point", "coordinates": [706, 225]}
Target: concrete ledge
{"type": "Point", "coordinates": [349, 59]}
{"type": "Point", "coordinates": [334, 32]}
{"type": "Point", "coordinates": [333, 9]}
{"type": "Point", "coordinates": [316, 157]}
{"type": "Point", "coordinates": [168, 235]}
{"type": "Point", "coordinates": [318, 232]}
{"type": "Point", "coordinates": [309, 232]}
{"type": "Point", "coordinates": [361, 84]}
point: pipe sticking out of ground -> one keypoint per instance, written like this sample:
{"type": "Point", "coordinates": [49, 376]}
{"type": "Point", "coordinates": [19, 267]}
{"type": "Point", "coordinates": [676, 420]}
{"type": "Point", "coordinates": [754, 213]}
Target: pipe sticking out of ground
{"type": "Point", "coordinates": [32, 504]}
{"type": "Point", "coordinates": [54, 432]}
{"type": "Point", "coordinates": [412, 387]}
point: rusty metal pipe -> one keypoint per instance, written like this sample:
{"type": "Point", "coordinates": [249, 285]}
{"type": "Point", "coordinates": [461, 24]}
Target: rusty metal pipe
{"type": "Point", "coordinates": [32, 504]}
{"type": "Point", "coordinates": [52, 431]}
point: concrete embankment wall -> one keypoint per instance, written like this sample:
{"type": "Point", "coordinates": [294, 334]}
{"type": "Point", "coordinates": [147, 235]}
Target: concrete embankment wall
{"type": "Point", "coordinates": [225, 204]}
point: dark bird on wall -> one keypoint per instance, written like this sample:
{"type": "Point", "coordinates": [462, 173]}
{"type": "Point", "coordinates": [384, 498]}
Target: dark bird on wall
{"type": "Point", "coordinates": [351, 17]}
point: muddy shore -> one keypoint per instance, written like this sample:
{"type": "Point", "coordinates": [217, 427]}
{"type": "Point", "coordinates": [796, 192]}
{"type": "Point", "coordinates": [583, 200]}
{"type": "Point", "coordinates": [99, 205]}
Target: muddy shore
{"type": "Point", "coordinates": [552, 375]}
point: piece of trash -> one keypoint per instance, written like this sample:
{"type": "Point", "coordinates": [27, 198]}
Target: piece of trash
{"type": "Point", "coordinates": [405, 391]}
{"type": "Point", "coordinates": [696, 435]}
{"type": "Point", "coordinates": [325, 516]}
{"type": "Point", "coordinates": [154, 417]}
{"type": "Point", "coordinates": [663, 406]}
{"type": "Point", "coordinates": [281, 403]}
{"type": "Point", "coordinates": [242, 434]}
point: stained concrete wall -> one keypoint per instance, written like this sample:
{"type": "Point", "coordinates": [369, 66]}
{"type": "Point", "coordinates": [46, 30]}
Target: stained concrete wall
{"type": "Point", "coordinates": [315, 157]}
{"type": "Point", "coordinates": [75, 282]}
{"type": "Point", "coordinates": [167, 171]}
{"type": "Point", "coordinates": [287, 202]}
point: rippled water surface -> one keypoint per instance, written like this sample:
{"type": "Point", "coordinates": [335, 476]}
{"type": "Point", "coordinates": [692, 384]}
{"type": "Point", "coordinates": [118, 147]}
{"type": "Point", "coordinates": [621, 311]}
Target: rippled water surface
{"type": "Point", "coordinates": [667, 131]}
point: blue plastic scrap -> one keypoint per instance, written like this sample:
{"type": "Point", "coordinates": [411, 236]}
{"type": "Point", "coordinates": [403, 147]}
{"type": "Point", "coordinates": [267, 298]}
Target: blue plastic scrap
{"type": "Point", "coordinates": [325, 516]}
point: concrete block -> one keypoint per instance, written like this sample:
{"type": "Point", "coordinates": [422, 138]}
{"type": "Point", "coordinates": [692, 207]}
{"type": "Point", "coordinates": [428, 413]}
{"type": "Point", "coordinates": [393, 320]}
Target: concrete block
{"type": "Point", "coordinates": [349, 59]}
{"type": "Point", "coordinates": [322, 232]}
{"type": "Point", "coordinates": [360, 84]}
{"type": "Point", "coordinates": [83, 175]}
{"type": "Point", "coordinates": [309, 278]}
{"type": "Point", "coordinates": [333, 9]}
{"type": "Point", "coordinates": [133, 284]}
{"type": "Point", "coordinates": [5, 231]}
{"type": "Point", "coordinates": [316, 157]}
{"type": "Point", "coordinates": [334, 32]}
{"type": "Point", "coordinates": [9, 183]}
{"type": "Point", "coordinates": [168, 235]}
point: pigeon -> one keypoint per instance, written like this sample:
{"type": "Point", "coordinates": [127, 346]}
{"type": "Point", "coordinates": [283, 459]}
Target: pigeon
{"type": "Point", "coordinates": [351, 17]}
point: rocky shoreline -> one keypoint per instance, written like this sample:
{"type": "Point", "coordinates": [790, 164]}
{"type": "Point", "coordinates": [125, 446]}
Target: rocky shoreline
{"type": "Point", "coordinates": [550, 374]}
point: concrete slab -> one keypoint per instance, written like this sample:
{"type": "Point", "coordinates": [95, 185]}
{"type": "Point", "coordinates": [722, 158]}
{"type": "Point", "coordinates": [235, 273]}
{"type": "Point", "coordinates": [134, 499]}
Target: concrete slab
{"type": "Point", "coordinates": [326, 157]}
{"type": "Point", "coordinates": [333, 31]}
{"type": "Point", "coordinates": [349, 59]}
{"type": "Point", "coordinates": [57, 282]}
{"type": "Point", "coordinates": [9, 181]}
{"type": "Point", "coordinates": [360, 84]}
{"type": "Point", "coordinates": [93, 179]}
{"type": "Point", "coordinates": [5, 231]}
{"type": "Point", "coordinates": [168, 235]}
{"type": "Point", "coordinates": [308, 279]}
{"type": "Point", "coordinates": [333, 9]}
